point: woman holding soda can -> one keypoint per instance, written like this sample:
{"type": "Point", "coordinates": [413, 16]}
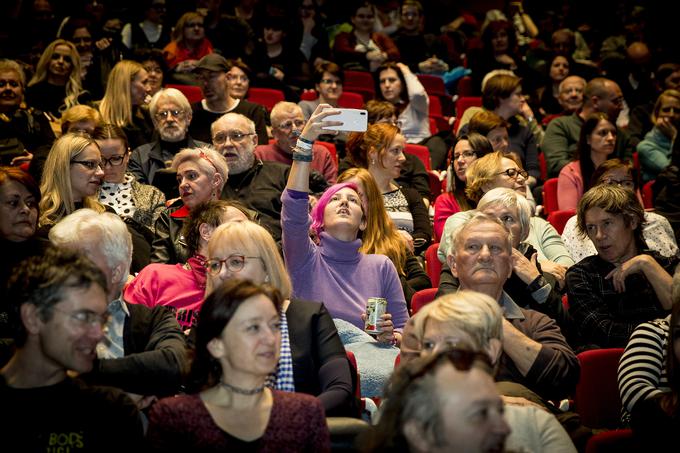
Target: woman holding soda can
{"type": "Point", "coordinates": [334, 271]}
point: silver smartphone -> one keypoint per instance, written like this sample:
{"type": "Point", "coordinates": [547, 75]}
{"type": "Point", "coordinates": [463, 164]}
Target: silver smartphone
{"type": "Point", "coordinates": [353, 120]}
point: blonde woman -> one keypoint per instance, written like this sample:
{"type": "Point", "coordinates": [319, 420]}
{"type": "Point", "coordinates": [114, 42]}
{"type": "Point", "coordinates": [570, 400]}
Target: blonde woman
{"type": "Point", "coordinates": [127, 91]}
{"type": "Point", "coordinates": [188, 44]}
{"type": "Point", "coordinates": [71, 179]}
{"type": "Point", "coordinates": [56, 85]}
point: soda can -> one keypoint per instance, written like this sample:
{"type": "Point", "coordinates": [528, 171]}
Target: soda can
{"type": "Point", "coordinates": [375, 308]}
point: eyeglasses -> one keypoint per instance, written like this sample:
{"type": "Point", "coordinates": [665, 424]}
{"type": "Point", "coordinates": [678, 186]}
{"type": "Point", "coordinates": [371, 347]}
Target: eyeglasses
{"type": "Point", "coordinates": [465, 155]}
{"type": "Point", "coordinates": [236, 137]}
{"type": "Point", "coordinates": [625, 183]}
{"type": "Point", "coordinates": [166, 113]}
{"type": "Point", "coordinates": [114, 161]}
{"type": "Point", "coordinates": [331, 82]}
{"type": "Point", "coordinates": [234, 263]}
{"type": "Point", "coordinates": [89, 164]}
{"type": "Point", "coordinates": [513, 172]}
{"type": "Point", "coordinates": [288, 125]}
{"type": "Point", "coordinates": [86, 317]}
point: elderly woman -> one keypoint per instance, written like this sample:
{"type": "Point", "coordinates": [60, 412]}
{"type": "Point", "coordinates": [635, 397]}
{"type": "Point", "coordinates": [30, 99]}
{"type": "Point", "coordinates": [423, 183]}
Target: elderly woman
{"type": "Point", "coordinates": [497, 170]}
{"type": "Point", "coordinates": [309, 339]}
{"type": "Point", "coordinates": [381, 235]}
{"type": "Point", "coordinates": [528, 285]}
{"type": "Point", "coordinates": [141, 203]}
{"type": "Point", "coordinates": [19, 200]}
{"type": "Point", "coordinates": [182, 286]}
{"type": "Point", "coordinates": [72, 176]}
{"type": "Point", "coordinates": [201, 173]}
{"type": "Point", "coordinates": [395, 83]}
{"type": "Point", "coordinates": [56, 84]}
{"type": "Point", "coordinates": [596, 143]}
{"type": "Point", "coordinates": [188, 44]}
{"type": "Point", "coordinates": [467, 149]}
{"type": "Point", "coordinates": [656, 230]}
{"type": "Point", "coordinates": [656, 148]}
{"type": "Point", "coordinates": [381, 150]}
{"type": "Point", "coordinates": [230, 407]}
{"type": "Point", "coordinates": [127, 90]}
{"type": "Point", "coordinates": [335, 271]}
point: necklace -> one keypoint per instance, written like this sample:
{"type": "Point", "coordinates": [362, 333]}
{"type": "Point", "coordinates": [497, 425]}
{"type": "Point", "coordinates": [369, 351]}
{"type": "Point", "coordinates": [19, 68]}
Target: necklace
{"type": "Point", "coordinates": [241, 391]}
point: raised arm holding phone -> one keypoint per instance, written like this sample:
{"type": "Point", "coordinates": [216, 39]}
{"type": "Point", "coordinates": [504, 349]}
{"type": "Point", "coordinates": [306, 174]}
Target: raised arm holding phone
{"type": "Point", "coordinates": [349, 277]}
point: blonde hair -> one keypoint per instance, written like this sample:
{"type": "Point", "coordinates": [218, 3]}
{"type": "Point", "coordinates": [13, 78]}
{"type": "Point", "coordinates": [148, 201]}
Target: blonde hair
{"type": "Point", "coordinates": [209, 161]}
{"type": "Point", "coordinates": [57, 193]}
{"type": "Point", "coordinates": [380, 235]}
{"type": "Point", "coordinates": [482, 172]}
{"type": "Point", "coordinates": [79, 113]}
{"type": "Point", "coordinates": [283, 108]}
{"type": "Point", "coordinates": [178, 30]}
{"type": "Point", "coordinates": [74, 85]}
{"type": "Point", "coordinates": [254, 240]}
{"type": "Point", "coordinates": [116, 105]}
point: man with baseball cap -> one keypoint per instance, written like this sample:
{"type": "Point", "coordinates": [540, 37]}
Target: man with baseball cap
{"type": "Point", "coordinates": [211, 71]}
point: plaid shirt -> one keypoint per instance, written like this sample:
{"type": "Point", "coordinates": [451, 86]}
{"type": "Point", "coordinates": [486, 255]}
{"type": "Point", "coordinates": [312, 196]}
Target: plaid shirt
{"type": "Point", "coordinates": [283, 379]}
{"type": "Point", "coordinates": [604, 317]}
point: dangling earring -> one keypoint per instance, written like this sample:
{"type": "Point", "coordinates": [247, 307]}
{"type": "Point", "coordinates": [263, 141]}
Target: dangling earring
{"type": "Point", "coordinates": [266, 278]}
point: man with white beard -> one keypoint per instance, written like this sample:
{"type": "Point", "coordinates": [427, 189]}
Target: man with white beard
{"type": "Point", "coordinates": [171, 114]}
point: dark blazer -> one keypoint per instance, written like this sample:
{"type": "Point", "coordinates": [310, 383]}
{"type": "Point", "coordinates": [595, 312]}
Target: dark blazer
{"type": "Point", "coordinates": [320, 365]}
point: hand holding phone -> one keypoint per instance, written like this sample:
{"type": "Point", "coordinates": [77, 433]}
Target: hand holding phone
{"type": "Point", "coordinates": [353, 120]}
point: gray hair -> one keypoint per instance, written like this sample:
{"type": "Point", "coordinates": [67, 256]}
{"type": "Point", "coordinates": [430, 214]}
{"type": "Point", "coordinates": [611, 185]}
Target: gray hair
{"type": "Point", "coordinates": [170, 94]}
{"type": "Point", "coordinates": [249, 122]}
{"type": "Point", "coordinates": [476, 218]}
{"type": "Point", "coordinates": [283, 108]}
{"type": "Point", "coordinates": [86, 230]}
{"type": "Point", "coordinates": [508, 198]}
{"type": "Point", "coordinates": [208, 159]}
{"type": "Point", "coordinates": [569, 79]}
{"type": "Point", "coordinates": [11, 65]}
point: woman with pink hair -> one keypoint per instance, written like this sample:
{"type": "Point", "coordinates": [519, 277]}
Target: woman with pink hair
{"type": "Point", "coordinates": [334, 271]}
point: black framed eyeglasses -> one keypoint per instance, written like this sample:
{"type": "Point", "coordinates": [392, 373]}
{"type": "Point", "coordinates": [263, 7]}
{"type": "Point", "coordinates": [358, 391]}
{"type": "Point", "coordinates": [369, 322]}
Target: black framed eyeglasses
{"type": "Point", "coordinates": [114, 161]}
{"type": "Point", "coordinates": [89, 164]}
{"type": "Point", "coordinates": [514, 172]}
{"type": "Point", "coordinates": [234, 263]}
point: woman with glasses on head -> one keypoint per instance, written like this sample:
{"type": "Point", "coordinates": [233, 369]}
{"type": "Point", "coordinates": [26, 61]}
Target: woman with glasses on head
{"type": "Point", "coordinates": [656, 148]}
{"type": "Point", "coordinates": [381, 151]}
{"type": "Point", "coordinates": [56, 84]}
{"type": "Point", "coordinates": [181, 286]}
{"type": "Point", "coordinates": [71, 179]}
{"type": "Point", "coordinates": [127, 92]}
{"type": "Point", "coordinates": [188, 44]}
{"type": "Point", "coordinates": [228, 406]}
{"type": "Point", "coordinates": [504, 170]}
{"type": "Point", "coordinates": [596, 143]}
{"type": "Point", "coordinates": [141, 203]}
{"type": "Point", "coordinates": [466, 150]}
{"type": "Point", "coordinates": [335, 272]}
{"type": "Point", "coordinates": [656, 231]}
{"type": "Point", "coordinates": [310, 341]}
{"type": "Point", "coordinates": [201, 175]}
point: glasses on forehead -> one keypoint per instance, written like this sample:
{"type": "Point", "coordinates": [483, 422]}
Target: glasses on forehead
{"type": "Point", "coordinates": [236, 137]}
{"type": "Point", "coordinates": [86, 317]}
{"type": "Point", "coordinates": [234, 263]}
{"type": "Point", "coordinates": [89, 164]}
{"type": "Point", "coordinates": [289, 124]}
{"type": "Point", "coordinates": [163, 114]}
{"type": "Point", "coordinates": [462, 359]}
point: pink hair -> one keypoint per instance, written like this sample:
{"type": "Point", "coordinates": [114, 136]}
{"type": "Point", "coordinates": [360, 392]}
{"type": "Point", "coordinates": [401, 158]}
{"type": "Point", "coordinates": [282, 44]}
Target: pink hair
{"type": "Point", "coordinates": [320, 207]}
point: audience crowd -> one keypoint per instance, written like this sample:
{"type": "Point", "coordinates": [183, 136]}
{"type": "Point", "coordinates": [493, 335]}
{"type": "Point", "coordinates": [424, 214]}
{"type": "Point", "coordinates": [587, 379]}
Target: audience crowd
{"type": "Point", "coordinates": [197, 259]}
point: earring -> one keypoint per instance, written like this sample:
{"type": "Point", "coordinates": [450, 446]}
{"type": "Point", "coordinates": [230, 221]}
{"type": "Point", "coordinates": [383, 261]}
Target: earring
{"type": "Point", "coordinates": [372, 161]}
{"type": "Point", "coordinates": [266, 278]}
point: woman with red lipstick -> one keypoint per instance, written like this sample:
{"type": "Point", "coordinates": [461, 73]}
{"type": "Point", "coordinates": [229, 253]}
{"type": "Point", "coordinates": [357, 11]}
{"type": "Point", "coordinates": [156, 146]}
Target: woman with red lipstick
{"type": "Point", "coordinates": [596, 144]}
{"type": "Point", "coordinates": [19, 199]}
{"type": "Point", "coordinates": [71, 179]}
{"type": "Point", "coordinates": [229, 407]}
{"type": "Point", "coordinates": [381, 151]}
{"type": "Point", "coordinates": [201, 174]}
